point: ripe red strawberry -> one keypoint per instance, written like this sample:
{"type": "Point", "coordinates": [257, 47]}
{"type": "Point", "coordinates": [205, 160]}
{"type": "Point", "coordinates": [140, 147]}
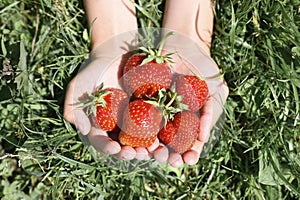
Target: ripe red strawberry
{"type": "Point", "coordinates": [146, 72]}
{"type": "Point", "coordinates": [167, 133]}
{"type": "Point", "coordinates": [132, 141]}
{"type": "Point", "coordinates": [106, 105]}
{"type": "Point", "coordinates": [133, 61]}
{"type": "Point", "coordinates": [145, 80]}
{"type": "Point", "coordinates": [186, 127]}
{"type": "Point", "coordinates": [193, 90]}
{"type": "Point", "coordinates": [141, 121]}
{"type": "Point", "coordinates": [107, 114]}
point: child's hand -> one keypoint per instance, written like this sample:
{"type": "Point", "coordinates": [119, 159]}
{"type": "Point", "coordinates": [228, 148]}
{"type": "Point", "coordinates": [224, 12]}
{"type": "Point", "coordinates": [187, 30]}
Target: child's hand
{"type": "Point", "coordinates": [103, 66]}
{"type": "Point", "coordinates": [190, 60]}
{"type": "Point", "coordinates": [193, 46]}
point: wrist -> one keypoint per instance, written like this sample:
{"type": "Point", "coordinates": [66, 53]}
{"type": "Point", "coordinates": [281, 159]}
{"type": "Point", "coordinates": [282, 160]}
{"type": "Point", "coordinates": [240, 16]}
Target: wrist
{"type": "Point", "coordinates": [116, 46]}
{"type": "Point", "coordinates": [193, 19]}
{"type": "Point", "coordinates": [109, 18]}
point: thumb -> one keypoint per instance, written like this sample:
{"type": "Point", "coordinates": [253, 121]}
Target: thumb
{"type": "Point", "coordinates": [76, 116]}
{"type": "Point", "coordinates": [81, 121]}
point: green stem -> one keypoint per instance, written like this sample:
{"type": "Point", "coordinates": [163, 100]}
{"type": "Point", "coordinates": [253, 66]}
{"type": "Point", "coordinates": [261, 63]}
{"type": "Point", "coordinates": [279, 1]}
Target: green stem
{"type": "Point", "coordinates": [162, 43]}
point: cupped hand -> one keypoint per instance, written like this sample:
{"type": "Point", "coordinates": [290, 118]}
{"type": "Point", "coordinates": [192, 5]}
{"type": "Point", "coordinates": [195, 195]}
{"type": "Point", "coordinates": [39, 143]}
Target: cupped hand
{"type": "Point", "coordinates": [87, 81]}
{"type": "Point", "coordinates": [190, 58]}
{"type": "Point", "coordinates": [103, 66]}
{"type": "Point", "coordinates": [209, 115]}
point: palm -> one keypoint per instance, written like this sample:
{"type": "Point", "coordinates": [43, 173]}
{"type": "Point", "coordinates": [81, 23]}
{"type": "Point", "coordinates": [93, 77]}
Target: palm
{"type": "Point", "coordinates": [190, 59]}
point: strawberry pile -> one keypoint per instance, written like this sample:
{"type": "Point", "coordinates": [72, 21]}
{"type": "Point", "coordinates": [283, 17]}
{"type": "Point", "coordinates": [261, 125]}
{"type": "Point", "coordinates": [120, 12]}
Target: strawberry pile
{"type": "Point", "coordinates": [154, 102]}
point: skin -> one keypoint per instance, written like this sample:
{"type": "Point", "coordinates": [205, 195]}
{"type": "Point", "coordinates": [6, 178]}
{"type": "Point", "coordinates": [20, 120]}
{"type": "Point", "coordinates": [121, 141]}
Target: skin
{"type": "Point", "coordinates": [107, 19]}
{"type": "Point", "coordinates": [197, 25]}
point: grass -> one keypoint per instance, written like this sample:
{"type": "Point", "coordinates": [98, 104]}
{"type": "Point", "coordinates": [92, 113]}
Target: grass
{"type": "Point", "coordinates": [255, 43]}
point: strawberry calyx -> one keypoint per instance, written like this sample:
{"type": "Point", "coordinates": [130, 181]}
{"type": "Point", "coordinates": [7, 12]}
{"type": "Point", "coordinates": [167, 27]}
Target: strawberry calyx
{"type": "Point", "coordinates": [169, 103]}
{"type": "Point", "coordinates": [94, 99]}
{"type": "Point", "coordinates": [155, 54]}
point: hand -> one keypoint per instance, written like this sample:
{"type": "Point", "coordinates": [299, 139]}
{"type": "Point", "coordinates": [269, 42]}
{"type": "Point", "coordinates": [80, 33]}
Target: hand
{"type": "Point", "coordinates": [87, 80]}
{"type": "Point", "coordinates": [103, 66]}
{"type": "Point", "coordinates": [193, 50]}
{"type": "Point", "coordinates": [192, 60]}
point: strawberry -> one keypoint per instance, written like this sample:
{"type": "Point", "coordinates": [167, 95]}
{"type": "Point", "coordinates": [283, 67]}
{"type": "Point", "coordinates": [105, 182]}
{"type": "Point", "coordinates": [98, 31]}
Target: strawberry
{"type": "Point", "coordinates": [141, 122]}
{"type": "Point", "coordinates": [129, 140]}
{"type": "Point", "coordinates": [106, 105]}
{"type": "Point", "coordinates": [145, 80]}
{"type": "Point", "coordinates": [193, 90]}
{"type": "Point", "coordinates": [147, 72]}
{"type": "Point", "coordinates": [167, 133]}
{"type": "Point", "coordinates": [133, 61]}
{"type": "Point", "coordinates": [186, 128]}
{"type": "Point", "coordinates": [108, 113]}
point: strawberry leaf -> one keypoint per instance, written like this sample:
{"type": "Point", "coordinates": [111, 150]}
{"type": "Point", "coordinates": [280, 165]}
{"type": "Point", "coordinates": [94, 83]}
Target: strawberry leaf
{"type": "Point", "coordinates": [155, 54]}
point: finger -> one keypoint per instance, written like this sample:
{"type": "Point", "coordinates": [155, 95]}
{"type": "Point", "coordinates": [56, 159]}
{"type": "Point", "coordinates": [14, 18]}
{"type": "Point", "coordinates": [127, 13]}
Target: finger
{"type": "Point", "coordinates": [198, 147]}
{"type": "Point", "coordinates": [102, 143]}
{"type": "Point", "coordinates": [175, 160]}
{"type": "Point", "coordinates": [153, 146]}
{"type": "Point", "coordinates": [192, 156]}
{"type": "Point", "coordinates": [75, 115]}
{"type": "Point", "coordinates": [127, 153]}
{"type": "Point", "coordinates": [142, 153]}
{"type": "Point", "coordinates": [161, 154]}
{"type": "Point", "coordinates": [82, 122]}
{"type": "Point", "coordinates": [206, 116]}
{"type": "Point", "coordinates": [79, 119]}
